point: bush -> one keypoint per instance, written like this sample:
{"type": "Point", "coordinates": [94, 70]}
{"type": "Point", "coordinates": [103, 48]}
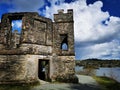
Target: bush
{"type": "Point", "coordinates": [87, 71]}
{"type": "Point", "coordinates": [67, 78]}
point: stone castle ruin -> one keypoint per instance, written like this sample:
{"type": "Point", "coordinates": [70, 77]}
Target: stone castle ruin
{"type": "Point", "coordinates": [42, 50]}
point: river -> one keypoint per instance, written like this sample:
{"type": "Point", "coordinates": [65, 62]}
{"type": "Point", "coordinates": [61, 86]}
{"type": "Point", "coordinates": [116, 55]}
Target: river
{"type": "Point", "coordinates": [105, 71]}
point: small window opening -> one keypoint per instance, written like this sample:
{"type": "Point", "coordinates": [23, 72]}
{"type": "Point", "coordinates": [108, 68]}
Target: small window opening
{"type": "Point", "coordinates": [64, 42]}
{"type": "Point", "coordinates": [17, 25]}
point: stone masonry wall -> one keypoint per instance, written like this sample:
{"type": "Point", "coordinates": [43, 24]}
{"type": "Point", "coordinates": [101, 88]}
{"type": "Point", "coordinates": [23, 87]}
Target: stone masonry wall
{"type": "Point", "coordinates": [20, 68]}
{"type": "Point", "coordinates": [63, 25]}
{"type": "Point", "coordinates": [40, 40]}
{"type": "Point", "coordinates": [12, 68]}
{"type": "Point", "coordinates": [63, 60]}
{"type": "Point", "coordinates": [36, 30]}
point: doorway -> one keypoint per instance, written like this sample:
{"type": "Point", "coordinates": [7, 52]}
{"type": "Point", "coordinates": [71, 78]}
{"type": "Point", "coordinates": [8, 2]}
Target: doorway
{"type": "Point", "coordinates": [43, 69]}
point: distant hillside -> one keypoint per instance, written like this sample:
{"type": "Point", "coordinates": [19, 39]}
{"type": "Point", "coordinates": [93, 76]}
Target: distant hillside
{"type": "Point", "coordinates": [98, 63]}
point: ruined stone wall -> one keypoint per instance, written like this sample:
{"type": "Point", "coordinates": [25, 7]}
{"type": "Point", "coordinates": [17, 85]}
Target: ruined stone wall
{"type": "Point", "coordinates": [63, 60]}
{"type": "Point", "coordinates": [40, 39]}
{"type": "Point", "coordinates": [20, 68]}
{"type": "Point", "coordinates": [12, 68]}
{"type": "Point", "coordinates": [1, 45]}
{"type": "Point", "coordinates": [19, 53]}
{"type": "Point", "coordinates": [63, 25]}
{"type": "Point", "coordinates": [36, 30]}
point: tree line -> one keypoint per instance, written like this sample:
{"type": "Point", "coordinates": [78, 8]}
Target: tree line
{"type": "Point", "coordinates": [96, 63]}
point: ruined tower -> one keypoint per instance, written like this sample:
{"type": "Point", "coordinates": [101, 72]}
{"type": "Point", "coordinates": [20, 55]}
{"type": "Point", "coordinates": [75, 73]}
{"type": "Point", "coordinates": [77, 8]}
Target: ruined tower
{"type": "Point", "coordinates": [43, 50]}
{"type": "Point", "coordinates": [63, 44]}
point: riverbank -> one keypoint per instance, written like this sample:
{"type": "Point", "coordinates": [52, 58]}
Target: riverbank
{"type": "Point", "coordinates": [107, 83]}
{"type": "Point", "coordinates": [108, 72]}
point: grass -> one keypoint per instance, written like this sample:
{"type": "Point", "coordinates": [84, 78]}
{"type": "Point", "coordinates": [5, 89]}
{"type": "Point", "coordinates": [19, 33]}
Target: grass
{"type": "Point", "coordinates": [14, 87]}
{"type": "Point", "coordinates": [18, 86]}
{"type": "Point", "coordinates": [108, 83]}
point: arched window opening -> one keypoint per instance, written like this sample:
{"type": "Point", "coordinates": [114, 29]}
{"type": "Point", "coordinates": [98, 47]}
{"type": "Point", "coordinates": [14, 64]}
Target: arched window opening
{"type": "Point", "coordinates": [64, 42]}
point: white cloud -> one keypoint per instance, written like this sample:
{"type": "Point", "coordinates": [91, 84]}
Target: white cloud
{"type": "Point", "coordinates": [24, 5]}
{"type": "Point", "coordinates": [96, 32]}
{"type": "Point", "coordinates": [90, 28]}
{"type": "Point", "coordinates": [103, 50]}
{"type": "Point", "coordinates": [17, 23]}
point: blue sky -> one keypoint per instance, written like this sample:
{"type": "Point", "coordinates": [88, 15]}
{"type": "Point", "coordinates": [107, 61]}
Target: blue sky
{"type": "Point", "coordinates": [96, 23]}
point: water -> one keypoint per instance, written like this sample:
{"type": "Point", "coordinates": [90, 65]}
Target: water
{"type": "Point", "coordinates": [104, 71]}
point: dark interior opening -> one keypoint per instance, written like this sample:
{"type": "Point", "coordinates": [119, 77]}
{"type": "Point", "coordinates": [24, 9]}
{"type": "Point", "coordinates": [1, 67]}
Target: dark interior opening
{"type": "Point", "coordinates": [43, 70]}
{"type": "Point", "coordinates": [64, 42]}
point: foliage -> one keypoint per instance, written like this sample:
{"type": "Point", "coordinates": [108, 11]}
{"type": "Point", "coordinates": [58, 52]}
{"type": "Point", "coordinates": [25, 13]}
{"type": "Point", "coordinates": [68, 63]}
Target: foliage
{"type": "Point", "coordinates": [108, 83]}
{"type": "Point", "coordinates": [67, 78]}
{"type": "Point", "coordinates": [14, 87]}
{"type": "Point", "coordinates": [98, 63]}
{"type": "Point", "coordinates": [87, 71]}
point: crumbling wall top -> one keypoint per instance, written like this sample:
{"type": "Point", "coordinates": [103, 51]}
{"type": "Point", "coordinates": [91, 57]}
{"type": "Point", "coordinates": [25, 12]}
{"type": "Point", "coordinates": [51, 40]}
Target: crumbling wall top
{"type": "Point", "coordinates": [70, 11]}
{"type": "Point", "coordinates": [19, 13]}
{"type": "Point", "coordinates": [15, 16]}
{"type": "Point", "coordinates": [60, 11]}
{"type": "Point", "coordinates": [64, 17]}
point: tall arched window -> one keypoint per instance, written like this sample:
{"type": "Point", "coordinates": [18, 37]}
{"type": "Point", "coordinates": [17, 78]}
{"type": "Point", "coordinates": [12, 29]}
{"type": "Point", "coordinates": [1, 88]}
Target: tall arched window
{"type": "Point", "coordinates": [64, 42]}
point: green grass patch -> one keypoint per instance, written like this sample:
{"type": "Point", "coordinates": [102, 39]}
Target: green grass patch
{"type": "Point", "coordinates": [108, 83]}
{"type": "Point", "coordinates": [18, 86]}
{"type": "Point", "coordinates": [14, 87]}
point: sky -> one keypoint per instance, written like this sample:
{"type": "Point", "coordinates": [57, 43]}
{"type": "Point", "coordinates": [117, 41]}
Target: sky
{"type": "Point", "coordinates": [96, 23]}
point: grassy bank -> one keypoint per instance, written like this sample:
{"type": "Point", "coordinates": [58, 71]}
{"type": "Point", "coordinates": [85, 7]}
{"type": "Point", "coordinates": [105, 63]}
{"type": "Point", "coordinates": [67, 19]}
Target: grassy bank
{"type": "Point", "coordinates": [14, 87]}
{"type": "Point", "coordinates": [108, 83]}
{"type": "Point", "coordinates": [18, 86]}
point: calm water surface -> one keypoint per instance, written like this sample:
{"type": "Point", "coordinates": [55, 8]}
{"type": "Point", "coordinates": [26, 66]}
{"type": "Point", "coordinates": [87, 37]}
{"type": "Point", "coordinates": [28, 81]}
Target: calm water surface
{"type": "Point", "coordinates": [109, 72]}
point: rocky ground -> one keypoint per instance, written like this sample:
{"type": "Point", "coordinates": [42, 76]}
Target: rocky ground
{"type": "Point", "coordinates": [85, 83]}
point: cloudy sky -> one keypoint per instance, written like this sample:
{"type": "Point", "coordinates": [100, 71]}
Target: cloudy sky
{"type": "Point", "coordinates": [96, 23]}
